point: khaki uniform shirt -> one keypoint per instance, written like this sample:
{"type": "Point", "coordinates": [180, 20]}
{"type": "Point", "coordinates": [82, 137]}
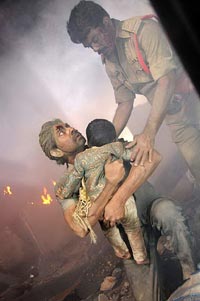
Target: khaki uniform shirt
{"type": "Point", "coordinates": [124, 69]}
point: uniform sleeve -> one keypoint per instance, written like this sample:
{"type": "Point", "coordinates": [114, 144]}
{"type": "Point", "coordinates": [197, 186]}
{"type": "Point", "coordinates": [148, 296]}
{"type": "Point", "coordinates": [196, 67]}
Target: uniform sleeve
{"type": "Point", "coordinates": [121, 90]}
{"type": "Point", "coordinates": [157, 50]}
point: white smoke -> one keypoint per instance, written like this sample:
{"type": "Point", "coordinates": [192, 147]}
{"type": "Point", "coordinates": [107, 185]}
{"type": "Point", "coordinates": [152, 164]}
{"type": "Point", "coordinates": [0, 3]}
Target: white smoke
{"type": "Point", "coordinates": [45, 75]}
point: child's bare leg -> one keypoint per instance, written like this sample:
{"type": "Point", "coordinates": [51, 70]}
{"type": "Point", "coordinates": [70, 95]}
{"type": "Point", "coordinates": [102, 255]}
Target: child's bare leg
{"type": "Point", "coordinates": [137, 244]}
{"type": "Point", "coordinates": [131, 224]}
{"type": "Point", "coordinates": [113, 236]}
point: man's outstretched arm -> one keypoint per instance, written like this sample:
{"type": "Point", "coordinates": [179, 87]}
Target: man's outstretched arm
{"type": "Point", "coordinates": [122, 115]}
{"type": "Point", "coordinates": [145, 140]}
{"type": "Point", "coordinates": [114, 210]}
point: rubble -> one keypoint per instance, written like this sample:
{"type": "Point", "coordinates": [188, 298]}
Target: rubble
{"type": "Point", "coordinates": [108, 283]}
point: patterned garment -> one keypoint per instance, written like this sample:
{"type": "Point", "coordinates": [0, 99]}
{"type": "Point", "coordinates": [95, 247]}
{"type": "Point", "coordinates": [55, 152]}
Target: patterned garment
{"type": "Point", "coordinates": [89, 165]}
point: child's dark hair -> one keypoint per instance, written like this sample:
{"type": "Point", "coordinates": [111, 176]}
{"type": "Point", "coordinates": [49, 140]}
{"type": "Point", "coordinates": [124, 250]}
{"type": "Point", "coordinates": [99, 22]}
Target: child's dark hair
{"type": "Point", "coordinates": [100, 132]}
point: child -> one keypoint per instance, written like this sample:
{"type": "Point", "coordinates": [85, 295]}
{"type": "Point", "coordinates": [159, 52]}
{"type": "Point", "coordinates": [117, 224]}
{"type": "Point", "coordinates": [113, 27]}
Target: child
{"type": "Point", "coordinates": [89, 165]}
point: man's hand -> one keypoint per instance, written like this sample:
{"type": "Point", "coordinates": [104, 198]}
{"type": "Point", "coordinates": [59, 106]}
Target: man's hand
{"type": "Point", "coordinates": [114, 171]}
{"type": "Point", "coordinates": [143, 149]}
{"type": "Point", "coordinates": [113, 212]}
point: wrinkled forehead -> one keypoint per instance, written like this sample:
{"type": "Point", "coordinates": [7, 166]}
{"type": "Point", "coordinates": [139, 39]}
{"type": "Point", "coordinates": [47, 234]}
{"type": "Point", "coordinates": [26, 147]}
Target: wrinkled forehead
{"type": "Point", "coordinates": [59, 127]}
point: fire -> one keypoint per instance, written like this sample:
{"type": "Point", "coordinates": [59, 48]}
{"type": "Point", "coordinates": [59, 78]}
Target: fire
{"type": "Point", "coordinates": [46, 198]}
{"type": "Point", "coordinates": [7, 190]}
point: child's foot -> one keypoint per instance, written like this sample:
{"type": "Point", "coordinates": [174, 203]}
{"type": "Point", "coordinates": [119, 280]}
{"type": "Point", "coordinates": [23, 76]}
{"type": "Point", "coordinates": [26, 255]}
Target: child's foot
{"type": "Point", "coordinates": [145, 261]}
{"type": "Point", "coordinates": [123, 254]}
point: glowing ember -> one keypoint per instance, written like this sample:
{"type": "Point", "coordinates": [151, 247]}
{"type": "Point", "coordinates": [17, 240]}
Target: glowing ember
{"type": "Point", "coordinates": [46, 198]}
{"type": "Point", "coordinates": [7, 190]}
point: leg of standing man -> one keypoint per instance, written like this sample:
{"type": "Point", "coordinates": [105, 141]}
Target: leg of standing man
{"type": "Point", "coordinates": [168, 219]}
{"type": "Point", "coordinates": [185, 131]}
{"type": "Point", "coordinates": [159, 213]}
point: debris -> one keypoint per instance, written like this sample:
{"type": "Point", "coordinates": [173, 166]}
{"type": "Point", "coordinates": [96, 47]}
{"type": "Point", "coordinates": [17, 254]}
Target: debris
{"type": "Point", "coordinates": [108, 283]}
{"type": "Point", "coordinates": [102, 297]}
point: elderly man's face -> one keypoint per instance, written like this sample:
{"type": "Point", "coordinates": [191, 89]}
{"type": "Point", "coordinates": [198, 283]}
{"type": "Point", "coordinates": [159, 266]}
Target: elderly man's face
{"type": "Point", "coordinates": [68, 139]}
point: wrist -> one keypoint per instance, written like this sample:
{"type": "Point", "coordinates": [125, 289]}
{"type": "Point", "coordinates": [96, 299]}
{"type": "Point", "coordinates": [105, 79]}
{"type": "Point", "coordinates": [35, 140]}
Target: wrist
{"type": "Point", "coordinates": [109, 189]}
{"type": "Point", "coordinates": [112, 184]}
{"type": "Point", "coordinates": [150, 131]}
{"type": "Point", "coordinates": [118, 199]}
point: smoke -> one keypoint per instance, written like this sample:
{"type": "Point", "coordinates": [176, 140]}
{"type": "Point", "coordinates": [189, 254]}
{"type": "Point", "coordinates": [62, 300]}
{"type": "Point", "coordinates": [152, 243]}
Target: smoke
{"type": "Point", "coordinates": [44, 75]}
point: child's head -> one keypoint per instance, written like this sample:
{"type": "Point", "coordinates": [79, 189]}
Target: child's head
{"type": "Point", "coordinates": [100, 132]}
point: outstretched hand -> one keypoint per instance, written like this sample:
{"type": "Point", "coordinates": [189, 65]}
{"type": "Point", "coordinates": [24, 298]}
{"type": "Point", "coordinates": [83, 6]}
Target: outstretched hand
{"type": "Point", "coordinates": [143, 149]}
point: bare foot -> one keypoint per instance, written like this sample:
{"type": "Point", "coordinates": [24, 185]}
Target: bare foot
{"type": "Point", "coordinates": [145, 261]}
{"type": "Point", "coordinates": [123, 255]}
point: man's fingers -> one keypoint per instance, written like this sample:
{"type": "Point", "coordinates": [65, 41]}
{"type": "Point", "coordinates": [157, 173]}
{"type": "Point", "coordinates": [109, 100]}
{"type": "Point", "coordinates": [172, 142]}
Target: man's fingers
{"type": "Point", "coordinates": [150, 155]}
{"type": "Point", "coordinates": [109, 222]}
{"type": "Point", "coordinates": [134, 154]}
{"type": "Point", "coordinates": [138, 158]}
{"type": "Point", "coordinates": [144, 158]}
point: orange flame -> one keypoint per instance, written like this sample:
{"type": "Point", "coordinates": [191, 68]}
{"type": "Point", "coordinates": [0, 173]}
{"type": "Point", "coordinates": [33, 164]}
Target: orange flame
{"type": "Point", "coordinates": [7, 190]}
{"type": "Point", "coordinates": [46, 198]}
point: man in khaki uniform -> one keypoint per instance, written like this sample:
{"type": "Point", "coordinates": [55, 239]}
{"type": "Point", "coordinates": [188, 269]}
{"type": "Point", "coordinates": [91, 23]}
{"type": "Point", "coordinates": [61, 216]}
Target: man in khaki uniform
{"type": "Point", "coordinates": [161, 78]}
